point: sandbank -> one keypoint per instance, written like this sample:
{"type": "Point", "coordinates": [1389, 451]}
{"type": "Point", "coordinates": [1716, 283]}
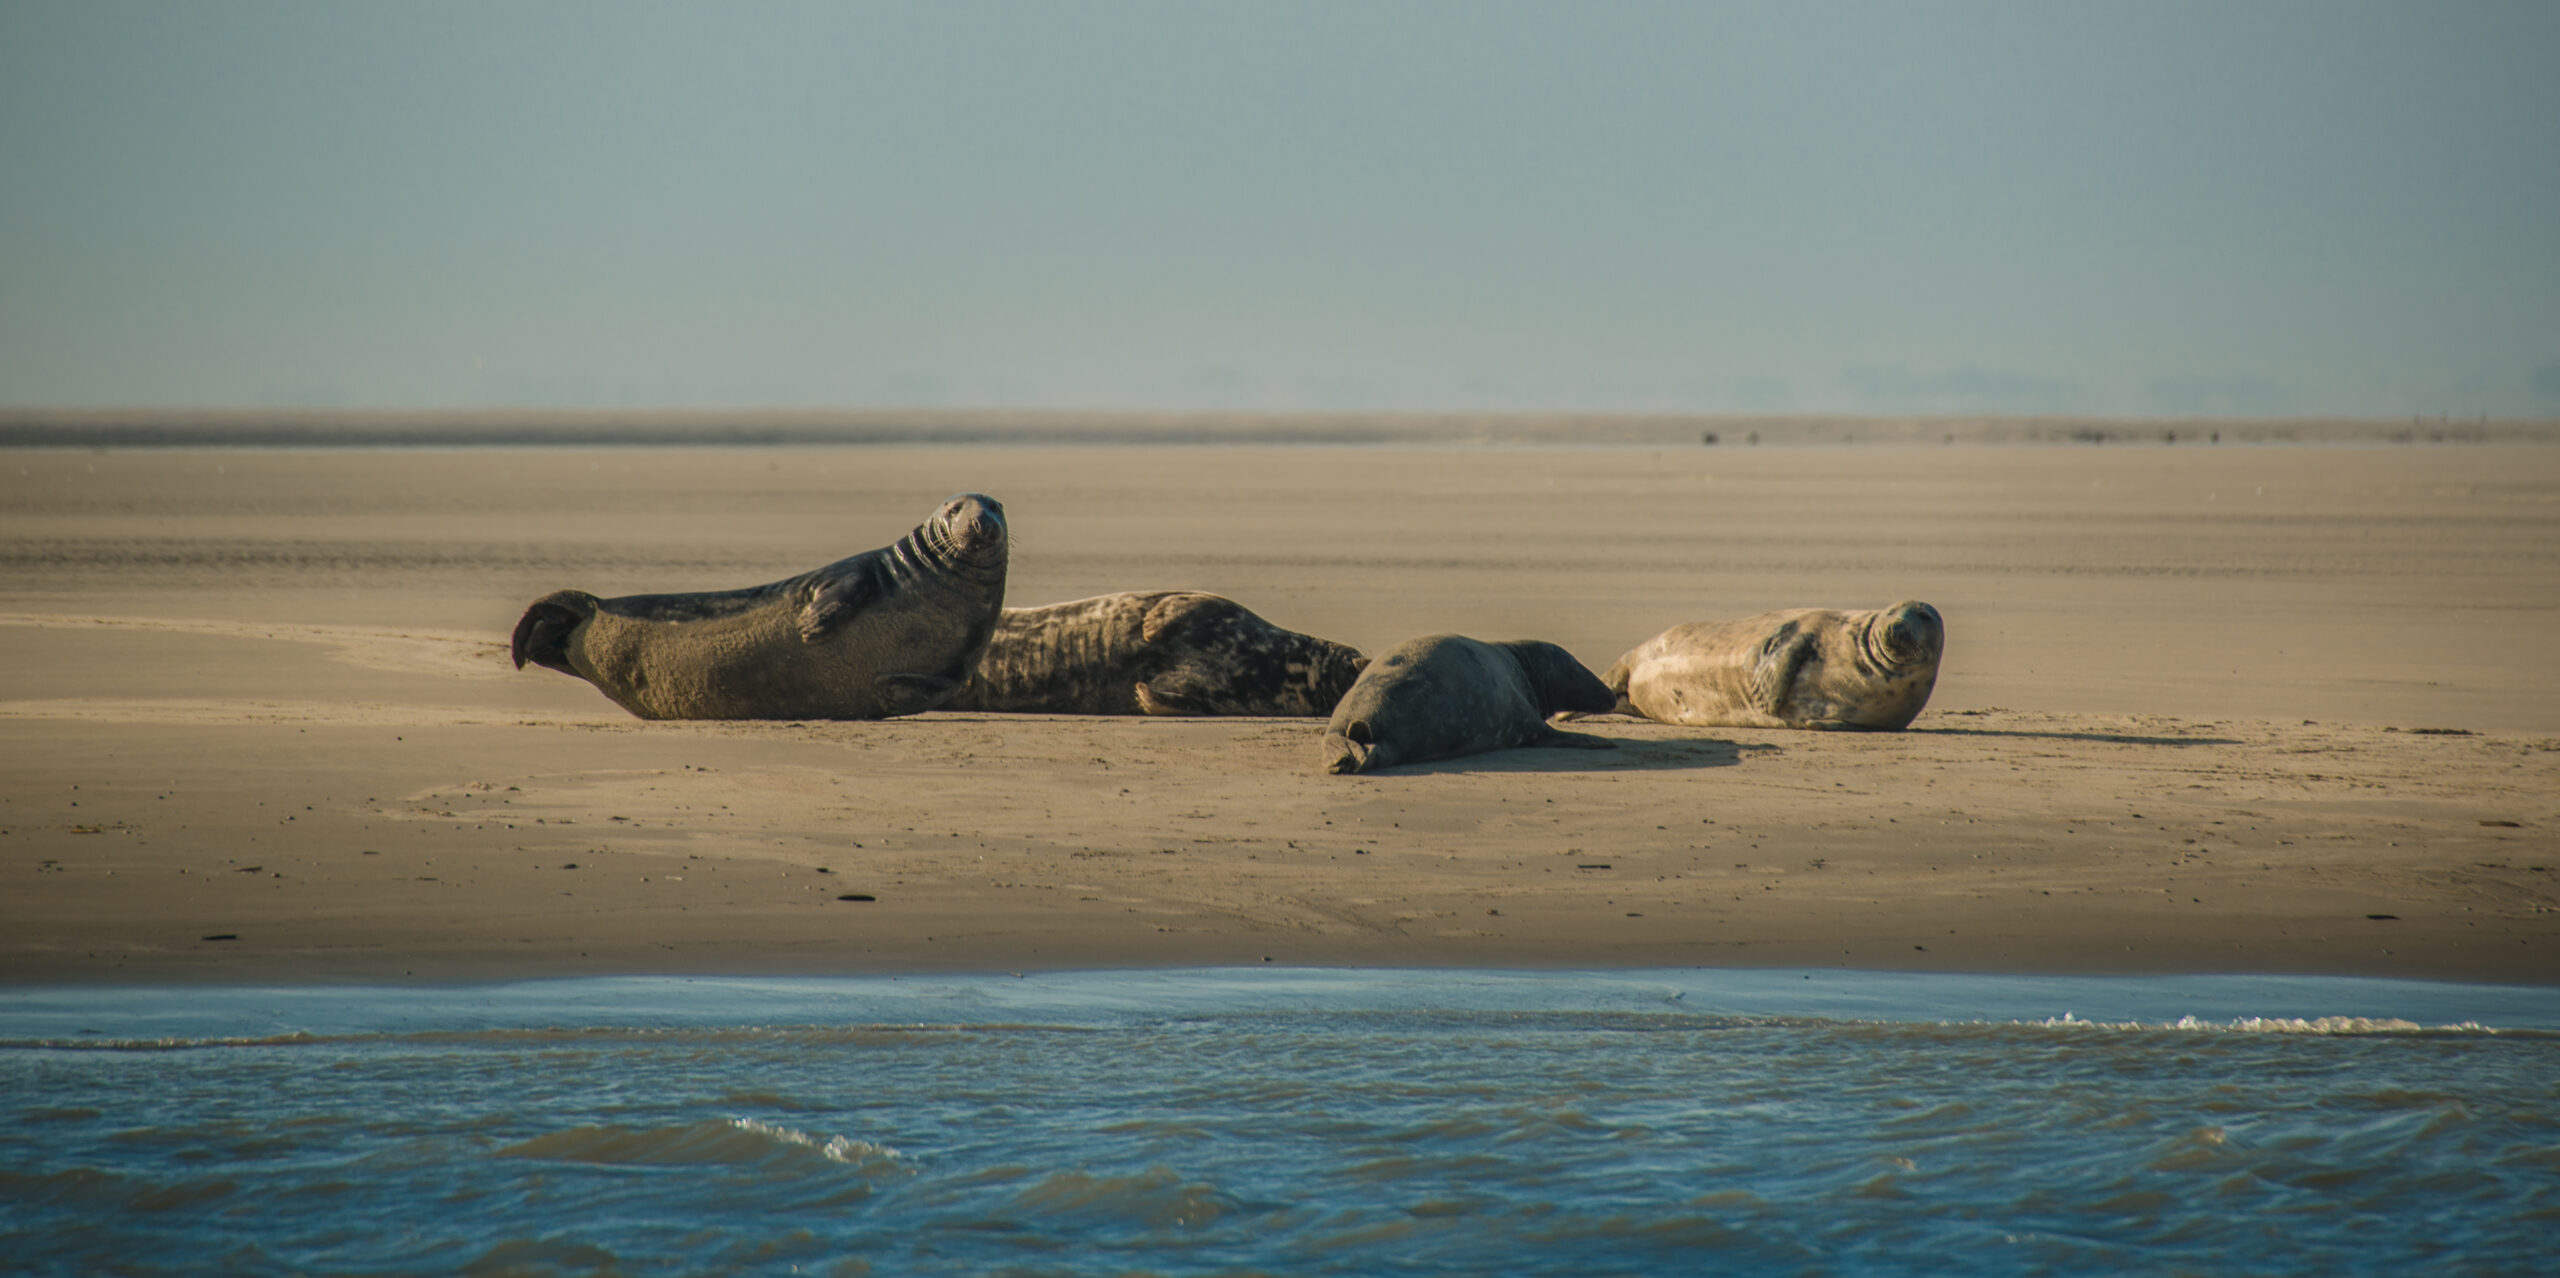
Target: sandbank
{"type": "Point", "coordinates": [2279, 708]}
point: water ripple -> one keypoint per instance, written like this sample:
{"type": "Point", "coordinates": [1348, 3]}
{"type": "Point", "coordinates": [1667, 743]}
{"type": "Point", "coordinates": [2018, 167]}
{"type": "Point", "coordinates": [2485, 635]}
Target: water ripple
{"type": "Point", "coordinates": [1305, 1138]}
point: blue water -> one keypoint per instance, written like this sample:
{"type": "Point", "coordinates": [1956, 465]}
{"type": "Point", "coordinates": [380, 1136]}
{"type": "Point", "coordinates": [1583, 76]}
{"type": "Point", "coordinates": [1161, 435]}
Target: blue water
{"type": "Point", "coordinates": [1256, 1121]}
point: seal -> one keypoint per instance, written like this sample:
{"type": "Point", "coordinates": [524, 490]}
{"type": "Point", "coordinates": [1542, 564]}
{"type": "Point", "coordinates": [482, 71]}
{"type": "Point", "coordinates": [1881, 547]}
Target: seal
{"type": "Point", "coordinates": [1167, 652]}
{"type": "Point", "coordinates": [1800, 668]}
{"type": "Point", "coordinates": [887, 632]}
{"type": "Point", "coordinates": [1443, 696]}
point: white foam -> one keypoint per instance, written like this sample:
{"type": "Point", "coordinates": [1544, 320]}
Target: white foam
{"type": "Point", "coordinates": [2274, 1025]}
{"type": "Point", "coordinates": [852, 1153]}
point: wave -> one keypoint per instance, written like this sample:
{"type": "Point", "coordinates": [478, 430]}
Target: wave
{"type": "Point", "coordinates": [737, 1142]}
{"type": "Point", "coordinates": [2344, 1026]}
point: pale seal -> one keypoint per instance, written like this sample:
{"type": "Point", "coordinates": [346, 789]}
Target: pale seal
{"type": "Point", "coordinates": [1168, 652]}
{"type": "Point", "coordinates": [1447, 695]}
{"type": "Point", "coordinates": [887, 632]}
{"type": "Point", "coordinates": [1801, 668]}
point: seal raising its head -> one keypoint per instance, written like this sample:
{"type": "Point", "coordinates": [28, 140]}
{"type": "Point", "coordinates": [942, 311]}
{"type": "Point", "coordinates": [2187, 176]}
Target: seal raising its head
{"type": "Point", "coordinates": [1170, 652]}
{"type": "Point", "coordinates": [1801, 668]}
{"type": "Point", "coordinates": [1447, 695]}
{"type": "Point", "coordinates": [887, 632]}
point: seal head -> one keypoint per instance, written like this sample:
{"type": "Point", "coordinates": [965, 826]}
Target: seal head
{"type": "Point", "coordinates": [1904, 636]}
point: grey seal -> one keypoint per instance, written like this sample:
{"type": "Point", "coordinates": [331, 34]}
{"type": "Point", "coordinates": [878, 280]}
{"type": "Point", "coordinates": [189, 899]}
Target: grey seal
{"type": "Point", "coordinates": [886, 632]}
{"type": "Point", "coordinates": [1800, 668]}
{"type": "Point", "coordinates": [1443, 696]}
{"type": "Point", "coordinates": [1165, 652]}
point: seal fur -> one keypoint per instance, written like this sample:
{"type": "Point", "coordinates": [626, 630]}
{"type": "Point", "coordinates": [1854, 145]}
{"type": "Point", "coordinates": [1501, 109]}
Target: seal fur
{"type": "Point", "coordinates": [1164, 652]}
{"type": "Point", "coordinates": [1817, 668]}
{"type": "Point", "coordinates": [886, 632]}
{"type": "Point", "coordinates": [1444, 696]}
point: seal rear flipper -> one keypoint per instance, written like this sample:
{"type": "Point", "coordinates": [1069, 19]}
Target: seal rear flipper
{"type": "Point", "coordinates": [1782, 657]}
{"type": "Point", "coordinates": [912, 693]}
{"type": "Point", "coordinates": [1616, 682]}
{"type": "Point", "coordinates": [1556, 681]}
{"type": "Point", "coordinates": [1555, 739]}
{"type": "Point", "coordinates": [542, 634]}
{"type": "Point", "coordinates": [833, 601]}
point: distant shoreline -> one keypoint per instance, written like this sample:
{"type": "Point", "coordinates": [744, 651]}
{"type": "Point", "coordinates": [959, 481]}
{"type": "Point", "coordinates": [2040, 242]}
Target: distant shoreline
{"type": "Point", "coordinates": [149, 429]}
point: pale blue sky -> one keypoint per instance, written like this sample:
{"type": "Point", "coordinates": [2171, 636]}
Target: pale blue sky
{"type": "Point", "coordinates": [2329, 207]}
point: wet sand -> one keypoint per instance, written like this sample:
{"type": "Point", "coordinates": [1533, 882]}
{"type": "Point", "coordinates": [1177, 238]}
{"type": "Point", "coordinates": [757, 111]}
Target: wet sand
{"type": "Point", "coordinates": [2204, 709]}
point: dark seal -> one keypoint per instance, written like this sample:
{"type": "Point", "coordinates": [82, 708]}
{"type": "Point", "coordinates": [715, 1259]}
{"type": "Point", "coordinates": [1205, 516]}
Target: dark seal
{"type": "Point", "coordinates": [887, 632]}
{"type": "Point", "coordinates": [1817, 668]}
{"type": "Point", "coordinates": [1169, 652]}
{"type": "Point", "coordinates": [1447, 695]}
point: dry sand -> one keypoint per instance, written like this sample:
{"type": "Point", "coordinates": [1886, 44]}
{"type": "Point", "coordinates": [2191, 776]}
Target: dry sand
{"type": "Point", "coordinates": [264, 697]}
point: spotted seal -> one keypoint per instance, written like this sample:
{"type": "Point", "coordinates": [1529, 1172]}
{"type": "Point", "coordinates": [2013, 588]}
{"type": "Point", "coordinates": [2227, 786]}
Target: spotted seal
{"type": "Point", "coordinates": [1167, 652]}
{"type": "Point", "coordinates": [1443, 696]}
{"type": "Point", "coordinates": [1801, 668]}
{"type": "Point", "coordinates": [887, 632]}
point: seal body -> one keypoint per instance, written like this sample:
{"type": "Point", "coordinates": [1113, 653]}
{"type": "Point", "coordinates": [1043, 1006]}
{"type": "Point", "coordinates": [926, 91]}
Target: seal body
{"type": "Point", "coordinates": [887, 632]}
{"type": "Point", "coordinates": [1168, 652]}
{"type": "Point", "coordinates": [1801, 668]}
{"type": "Point", "coordinates": [1444, 696]}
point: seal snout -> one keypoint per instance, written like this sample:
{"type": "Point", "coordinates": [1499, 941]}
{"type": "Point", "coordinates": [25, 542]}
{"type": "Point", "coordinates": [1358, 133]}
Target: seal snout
{"type": "Point", "coordinates": [973, 521]}
{"type": "Point", "coordinates": [1913, 632]}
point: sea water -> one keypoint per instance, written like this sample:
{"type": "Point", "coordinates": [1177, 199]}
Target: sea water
{"type": "Point", "coordinates": [1288, 1121]}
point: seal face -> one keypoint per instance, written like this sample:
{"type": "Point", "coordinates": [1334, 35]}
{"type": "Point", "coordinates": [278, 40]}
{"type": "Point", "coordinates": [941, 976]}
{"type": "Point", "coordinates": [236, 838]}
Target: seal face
{"type": "Point", "coordinates": [1444, 696]}
{"type": "Point", "coordinates": [1801, 668]}
{"type": "Point", "coordinates": [1166, 652]}
{"type": "Point", "coordinates": [887, 632]}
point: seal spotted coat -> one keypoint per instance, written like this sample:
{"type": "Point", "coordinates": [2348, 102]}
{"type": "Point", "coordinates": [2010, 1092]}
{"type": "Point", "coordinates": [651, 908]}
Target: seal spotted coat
{"type": "Point", "coordinates": [1801, 668]}
{"type": "Point", "coordinates": [887, 632]}
{"type": "Point", "coordinates": [1165, 652]}
{"type": "Point", "coordinates": [1444, 696]}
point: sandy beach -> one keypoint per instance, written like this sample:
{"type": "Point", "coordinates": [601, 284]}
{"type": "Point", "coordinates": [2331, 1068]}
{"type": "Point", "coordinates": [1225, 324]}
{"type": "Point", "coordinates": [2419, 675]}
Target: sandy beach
{"type": "Point", "coordinates": [2279, 708]}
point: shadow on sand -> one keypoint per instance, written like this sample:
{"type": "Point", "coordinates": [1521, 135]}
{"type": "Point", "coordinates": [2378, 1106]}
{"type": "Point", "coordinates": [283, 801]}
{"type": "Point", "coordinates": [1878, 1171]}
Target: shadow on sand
{"type": "Point", "coordinates": [2114, 738]}
{"type": "Point", "coordinates": [1630, 756]}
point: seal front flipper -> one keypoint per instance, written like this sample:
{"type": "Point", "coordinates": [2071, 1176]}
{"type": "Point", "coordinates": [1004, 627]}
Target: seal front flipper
{"type": "Point", "coordinates": [1782, 657]}
{"type": "Point", "coordinates": [834, 600]}
{"type": "Point", "coordinates": [1558, 739]}
{"type": "Point", "coordinates": [912, 693]}
{"type": "Point", "coordinates": [1178, 693]}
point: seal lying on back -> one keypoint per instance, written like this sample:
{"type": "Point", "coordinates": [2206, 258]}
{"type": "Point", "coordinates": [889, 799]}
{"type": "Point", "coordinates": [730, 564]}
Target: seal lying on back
{"type": "Point", "coordinates": [1447, 695]}
{"type": "Point", "coordinates": [887, 632]}
{"type": "Point", "coordinates": [1167, 652]}
{"type": "Point", "coordinates": [1802, 668]}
